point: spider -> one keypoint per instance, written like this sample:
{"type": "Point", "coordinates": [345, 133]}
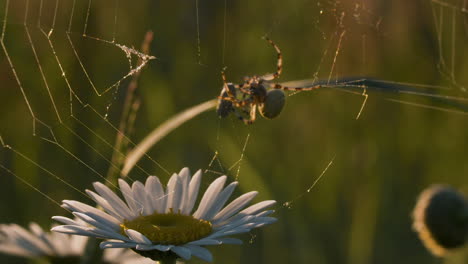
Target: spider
{"type": "Point", "coordinates": [256, 91]}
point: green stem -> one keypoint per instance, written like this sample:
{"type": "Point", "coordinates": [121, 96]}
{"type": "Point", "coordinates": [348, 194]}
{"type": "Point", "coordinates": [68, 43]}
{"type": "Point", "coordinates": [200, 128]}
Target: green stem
{"type": "Point", "coordinates": [92, 252]}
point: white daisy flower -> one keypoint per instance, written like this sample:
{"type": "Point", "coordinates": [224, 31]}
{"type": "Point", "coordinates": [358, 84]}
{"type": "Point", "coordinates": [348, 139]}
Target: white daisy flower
{"type": "Point", "coordinates": [58, 248]}
{"type": "Point", "coordinates": [162, 225]}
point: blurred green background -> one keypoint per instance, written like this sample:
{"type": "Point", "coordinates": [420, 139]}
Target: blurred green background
{"type": "Point", "coordinates": [360, 210]}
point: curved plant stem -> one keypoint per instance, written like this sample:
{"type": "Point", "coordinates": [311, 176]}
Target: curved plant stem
{"type": "Point", "coordinates": [161, 131]}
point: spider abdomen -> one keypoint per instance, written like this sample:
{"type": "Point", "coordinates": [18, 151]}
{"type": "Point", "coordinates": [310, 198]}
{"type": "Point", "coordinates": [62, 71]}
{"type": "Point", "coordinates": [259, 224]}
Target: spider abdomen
{"type": "Point", "coordinates": [274, 104]}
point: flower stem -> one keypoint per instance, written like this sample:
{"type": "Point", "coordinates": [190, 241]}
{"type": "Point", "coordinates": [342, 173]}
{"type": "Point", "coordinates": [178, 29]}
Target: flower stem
{"type": "Point", "coordinates": [92, 253]}
{"type": "Point", "coordinates": [162, 130]}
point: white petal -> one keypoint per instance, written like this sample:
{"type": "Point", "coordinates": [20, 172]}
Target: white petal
{"type": "Point", "coordinates": [205, 242]}
{"type": "Point", "coordinates": [248, 226]}
{"type": "Point", "coordinates": [209, 197]}
{"type": "Point", "coordinates": [265, 220]}
{"type": "Point", "coordinates": [64, 220]}
{"type": "Point", "coordinates": [229, 232]}
{"type": "Point", "coordinates": [106, 205]}
{"type": "Point", "coordinates": [193, 188]}
{"type": "Point", "coordinates": [155, 190]}
{"type": "Point", "coordinates": [220, 201]}
{"type": "Point", "coordinates": [73, 230]}
{"type": "Point", "coordinates": [174, 194]}
{"type": "Point", "coordinates": [127, 193]}
{"type": "Point", "coordinates": [234, 222]}
{"type": "Point", "coordinates": [117, 244]}
{"type": "Point", "coordinates": [182, 251]}
{"type": "Point", "coordinates": [235, 206]}
{"type": "Point", "coordinates": [184, 173]}
{"type": "Point", "coordinates": [264, 223]}
{"type": "Point", "coordinates": [45, 237]}
{"type": "Point", "coordinates": [93, 222]}
{"type": "Point", "coordinates": [200, 252]}
{"type": "Point", "coordinates": [184, 178]}
{"type": "Point", "coordinates": [28, 241]}
{"type": "Point", "coordinates": [113, 200]}
{"type": "Point", "coordinates": [252, 210]}
{"type": "Point", "coordinates": [36, 229]}
{"type": "Point", "coordinates": [76, 244]}
{"type": "Point", "coordinates": [265, 213]}
{"type": "Point", "coordinates": [54, 239]}
{"type": "Point", "coordinates": [17, 251]}
{"type": "Point", "coordinates": [144, 247]}
{"type": "Point", "coordinates": [142, 198]}
{"type": "Point", "coordinates": [89, 210]}
{"type": "Point", "coordinates": [230, 240]}
{"type": "Point", "coordinates": [89, 231]}
{"type": "Point", "coordinates": [237, 231]}
{"type": "Point", "coordinates": [171, 184]}
{"type": "Point", "coordinates": [104, 220]}
{"type": "Point", "coordinates": [163, 247]}
{"type": "Point", "coordinates": [148, 196]}
{"type": "Point", "coordinates": [257, 225]}
{"type": "Point", "coordinates": [256, 208]}
{"type": "Point", "coordinates": [109, 234]}
{"type": "Point", "coordinates": [137, 237]}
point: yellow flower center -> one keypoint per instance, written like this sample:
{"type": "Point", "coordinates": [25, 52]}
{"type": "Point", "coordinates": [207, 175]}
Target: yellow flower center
{"type": "Point", "coordinates": [170, 228]}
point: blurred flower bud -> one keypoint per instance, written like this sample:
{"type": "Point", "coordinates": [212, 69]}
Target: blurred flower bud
{"type": "Point", "coordinates": [440, 218]}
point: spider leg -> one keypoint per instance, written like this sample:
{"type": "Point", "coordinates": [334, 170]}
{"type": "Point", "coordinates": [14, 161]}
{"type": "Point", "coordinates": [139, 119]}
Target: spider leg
{"type": "Point", "coordinates": [230, 90]}
{"type": "Point", "coordinates": [237, 112]}
{"type": "Point", "coordinates": [247, 121]}
{"type": "Point", "coordinates": [226, 86]}
{"type": "Point", "coordinates": [279, 63]}
{"type": "Point", "coordinates": [245, 90]}
{"type": "Point", "coordinates": [236, 102]}
{"type": "Point", "coordinates": [244, 87]}
{"type": "Point", "coordinates": [253, 115]}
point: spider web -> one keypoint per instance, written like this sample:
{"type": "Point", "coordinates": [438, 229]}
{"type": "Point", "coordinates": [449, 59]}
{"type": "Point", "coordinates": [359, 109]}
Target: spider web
{"type": "Point", "coordinates": [68, 66]}
{"type": "Point", "coordinates": [67, 102]}
{"type": "Point", "coordinates": [64, 110]}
